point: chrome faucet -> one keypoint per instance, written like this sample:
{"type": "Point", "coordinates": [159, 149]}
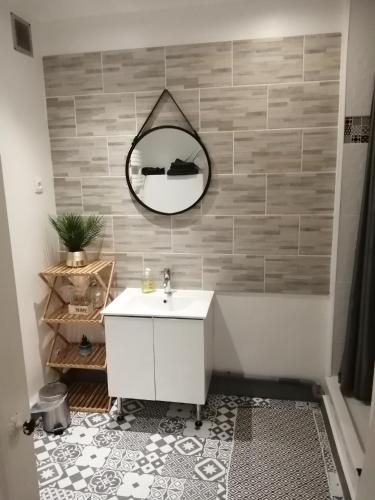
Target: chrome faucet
{"type": "Point", "coordinates": [167, 281]}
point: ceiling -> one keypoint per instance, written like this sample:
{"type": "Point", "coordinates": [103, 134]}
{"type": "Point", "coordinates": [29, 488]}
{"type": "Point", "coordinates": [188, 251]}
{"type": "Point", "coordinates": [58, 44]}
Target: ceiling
{"type": "Point", "coordinates": [53, 10]}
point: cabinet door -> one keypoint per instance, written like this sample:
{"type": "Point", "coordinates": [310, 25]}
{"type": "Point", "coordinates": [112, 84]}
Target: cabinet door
{"type": "Point", "coordinates": [179, 360]}
{"type": "Point", "coordinates": [130, 357]}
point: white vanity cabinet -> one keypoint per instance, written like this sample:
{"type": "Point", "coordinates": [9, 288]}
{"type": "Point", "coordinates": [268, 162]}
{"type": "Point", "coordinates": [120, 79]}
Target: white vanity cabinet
{"type": "Point", "coordinates": [183, 359]}
{"type": "Point", "coordinates": [159, 358]}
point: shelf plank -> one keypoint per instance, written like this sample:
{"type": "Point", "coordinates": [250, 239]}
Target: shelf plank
{"type": "Point", "coordinates": [62, 316]}
{"type": "Point", "coordinates": [63, 270]}
{"type": "Point", "coordinates": [89, 397]}
{"type": "Point", "coordinates": [69, 357]}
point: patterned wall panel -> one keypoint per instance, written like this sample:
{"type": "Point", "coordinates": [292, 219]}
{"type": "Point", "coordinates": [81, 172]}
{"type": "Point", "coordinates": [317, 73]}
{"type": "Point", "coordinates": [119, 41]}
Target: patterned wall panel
{"type": "Point", "coordinates": [267, 110]}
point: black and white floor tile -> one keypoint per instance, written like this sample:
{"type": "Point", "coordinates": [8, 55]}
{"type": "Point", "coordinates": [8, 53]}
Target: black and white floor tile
{"type": "Point", "coordinates": [157, 454]}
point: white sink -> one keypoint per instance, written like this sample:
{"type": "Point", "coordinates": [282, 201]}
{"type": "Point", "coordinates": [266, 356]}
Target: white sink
{"type": "Point", "coordinates": [193, 304]}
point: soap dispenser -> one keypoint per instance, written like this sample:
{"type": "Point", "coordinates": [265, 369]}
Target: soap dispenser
{"type": "Point", "coordinates": [148, 284]}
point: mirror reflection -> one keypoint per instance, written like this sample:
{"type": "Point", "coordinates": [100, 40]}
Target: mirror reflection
{"type": "Point", "coordinates": [168, 170]}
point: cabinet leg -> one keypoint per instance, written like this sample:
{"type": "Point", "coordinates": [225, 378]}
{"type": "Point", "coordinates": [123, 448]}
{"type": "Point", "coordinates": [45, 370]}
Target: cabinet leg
{"type": "Point", "coordinates": [120, 416]}
{"type": "Point", "coordinates": [198, 421]}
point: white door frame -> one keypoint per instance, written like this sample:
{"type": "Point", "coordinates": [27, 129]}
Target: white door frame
{"type": "Point", "coordinates": [18, 476]}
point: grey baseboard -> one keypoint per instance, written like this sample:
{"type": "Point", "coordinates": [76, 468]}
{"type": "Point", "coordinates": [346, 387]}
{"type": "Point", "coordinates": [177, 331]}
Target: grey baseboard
{"type": "Point", "coordinates": [281, 388]}
{"type": "Point", "coordinates": [336, 456]}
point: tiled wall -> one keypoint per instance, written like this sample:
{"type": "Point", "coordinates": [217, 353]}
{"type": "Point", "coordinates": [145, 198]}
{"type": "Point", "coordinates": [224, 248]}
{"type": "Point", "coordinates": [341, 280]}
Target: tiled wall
{"type": "Point", "coordinates": [267, 111]}
{"type": "Point", "coordinates": [357, 129]}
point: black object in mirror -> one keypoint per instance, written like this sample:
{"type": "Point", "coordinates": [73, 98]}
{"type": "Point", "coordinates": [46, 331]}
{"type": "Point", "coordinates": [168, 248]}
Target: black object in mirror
{"type": "Point", "coordinates": [168, 169]}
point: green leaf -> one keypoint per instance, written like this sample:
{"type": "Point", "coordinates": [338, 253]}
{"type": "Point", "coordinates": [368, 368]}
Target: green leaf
{"type": "Point", "coordinates": [77, 231]}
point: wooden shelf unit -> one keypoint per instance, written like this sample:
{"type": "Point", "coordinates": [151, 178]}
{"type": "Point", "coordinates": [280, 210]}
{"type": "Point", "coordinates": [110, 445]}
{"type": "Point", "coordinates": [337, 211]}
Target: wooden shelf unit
{"type": "Point", "coordinates": [53, 276]}
{"type": "Point", "coordinates": [62, 315]}
{"type": "Point", "coordinates": [89, 396]}
{"type": "Point", "coordinates": [64, 355]}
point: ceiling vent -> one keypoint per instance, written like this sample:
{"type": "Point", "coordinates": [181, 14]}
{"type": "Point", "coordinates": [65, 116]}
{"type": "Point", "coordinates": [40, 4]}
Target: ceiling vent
{"type": "Point", "coordinates": [21, 30]}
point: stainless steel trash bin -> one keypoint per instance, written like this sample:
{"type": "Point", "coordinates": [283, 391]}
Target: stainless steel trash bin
{"type": "Point", "coordinates": [52, 408]}
{"type": "Point", "coordinates": [56, 415]}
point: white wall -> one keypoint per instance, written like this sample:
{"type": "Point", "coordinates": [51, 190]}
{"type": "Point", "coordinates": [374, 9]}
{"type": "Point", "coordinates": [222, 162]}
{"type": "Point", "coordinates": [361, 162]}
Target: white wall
{"type": "Point", "coordinates": [24, 148]}
{"type": "Point", "coordinates": [271, 335]}
{"type": "Point", "coordinates": [255, 335]}
{"type": "Point", "coordinates": [18, 479]}
{"type": "Point", "coordinates": [230, 20]}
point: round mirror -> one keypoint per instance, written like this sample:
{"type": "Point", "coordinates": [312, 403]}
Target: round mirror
{"type": "Point", "coordinates": [168, 170]}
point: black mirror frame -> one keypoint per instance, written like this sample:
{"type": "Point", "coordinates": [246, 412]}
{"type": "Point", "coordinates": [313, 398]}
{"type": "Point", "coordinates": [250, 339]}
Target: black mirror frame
{"type": "Point", "coordinates": [139, 138]}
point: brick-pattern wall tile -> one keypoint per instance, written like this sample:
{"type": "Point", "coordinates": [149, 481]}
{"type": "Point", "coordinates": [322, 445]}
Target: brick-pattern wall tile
{"type": "Point", "coordinates": [118, 149]}
{"type": "Point", "coordinates": [233, 273]}
{"type": "Point", "coordinates": [273, 60]}
{"type": "Point", "coordinates": [315, 235]}
{"type": "Point", "coordinates": [266, 235]}
{"type": "Point", "coordinates": [149, 233]}
{"type": "Point", "coordinates": [167, 113]}
{"type": "Point", "coordinates": [192, 233]}
{"type": "Point", "coordinates": [73, 74]}
{"type": "Point", "coordinates": [186, 270]}
{"type": "Point", "coordinates": [105, 114]}
{"type": "Point", "coordinates": [235, 195]}
{"type": "Point", "coordinates": [79, 156]}
{"type": "Point", "coordinates": [61, 117]}
{"type": "Point", "coordinates": [267, 151]}
{"type": "Point", "coordinates": [128, 270]}
{"type": "Point", "coordinates": [199, 65]}
{"type": "Point", "coordinates": [300, 193]}
{"type": "Point", "coordinates": [322, 57]}
{"type": "Point", "coordinates": [68, 195]}
{"type": "Point", "coordinates": [314, 104]}
{"type": "Point", "coordinates": [305, 275]}
{"type": "Point", "coordinates": [219, 146]}
{"type": "Point", "coordinates": [267, 114]}
{"type": "Point", "coordinates": [108, 196]}
{"type": "Point", "coordinates": [233, 108]}
{"type": "Point", "coordinates": [319, 150]}
{"type": "Point", "coordinates": [134, 70]}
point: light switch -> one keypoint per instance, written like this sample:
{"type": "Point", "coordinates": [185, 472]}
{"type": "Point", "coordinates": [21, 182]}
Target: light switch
{"type": "Point", "coordinates": [38, 185]}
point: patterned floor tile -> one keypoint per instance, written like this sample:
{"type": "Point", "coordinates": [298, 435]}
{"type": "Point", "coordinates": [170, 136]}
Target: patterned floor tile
{"type": "Point", "coordinates": [150, 463]}
{"type": "Point", "coordinates": [189, 445]}
{"type": "Point", "coordinates": [167, 488]}
{"type": "Point", "coordinates": [163, 443]}
{"type": "Point", "coordinates": [211, 469]}
{"type": "Point", "coordinates": [146, 424]}
{"type": "Point", "coordinates": [133, 440]}
{"type": "Point", "coordinates": [61, 494]}
{"type": "Point", "coordinates": [105, 482]}
{"type": "Point", "coordinates": [157, 454]}
{"type": "Point", "coordinates": [203, 490]}
{"type": "Point", "coordinates": [122, 459]}
{"type": "Point", "coordinates": [125, 425]}
{"type": "Point", "coordinates": [97, 420]}
{"type": "Point", "coordinates": [180, 410]}
{"type": "Point", "coordinates": [76, 478]}
{"type": "Point", "coordinates": [49, 473]}
{"type": "Point", "coordinates": [179, 466]}
{"type": "Point", "coordinates": [173, 425]}
{"type": "Point", "coordinates": [107, 438]}
{"type": "Point", "coordinates": [93, 456]}
{"type": "Point", "coordinates": [66, 453]}
{"type": "Point", "coordinates": [202, 432]}
{"type": "Point", "coordinates": [80, 435]}
{"type": "Point", "coordinates": [221, 492]}
{"type": "Point", "coordinates": [136, 485]}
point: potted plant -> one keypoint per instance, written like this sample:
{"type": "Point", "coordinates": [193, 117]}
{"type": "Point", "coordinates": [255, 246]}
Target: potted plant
{"type": "Point", "coordinates": [85, 346]}
{"type": "Point", "coordinates": [77, 232]}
